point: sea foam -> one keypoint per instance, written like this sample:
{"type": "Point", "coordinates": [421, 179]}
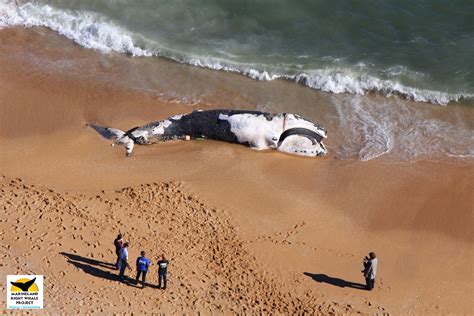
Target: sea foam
{"type": "Point", "coordinates": [94, 31]}
{"type": "Point", "coordinates": [87, 29]}
{"type": "Point", "coordinates": [370, 129]}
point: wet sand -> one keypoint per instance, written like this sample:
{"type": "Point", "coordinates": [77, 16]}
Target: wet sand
{"type": "Point", "coordinates": [247, 231]}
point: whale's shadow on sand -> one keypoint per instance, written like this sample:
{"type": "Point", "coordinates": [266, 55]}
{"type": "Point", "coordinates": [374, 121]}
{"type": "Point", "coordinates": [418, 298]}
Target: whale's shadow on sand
{"type": "Point", "coordinates": [323, 278]}
{"type": "Point", "coordinates": [98, 268]}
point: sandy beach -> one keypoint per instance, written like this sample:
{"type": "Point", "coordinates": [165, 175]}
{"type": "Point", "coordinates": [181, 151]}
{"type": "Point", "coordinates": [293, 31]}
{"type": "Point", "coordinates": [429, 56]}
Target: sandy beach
{"type": "Point", "coordinates": [247, 232]}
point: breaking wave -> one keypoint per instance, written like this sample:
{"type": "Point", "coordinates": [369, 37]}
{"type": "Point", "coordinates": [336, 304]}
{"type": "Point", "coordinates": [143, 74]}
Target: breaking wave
{"type": "Point", "coordinates": [92, 30]}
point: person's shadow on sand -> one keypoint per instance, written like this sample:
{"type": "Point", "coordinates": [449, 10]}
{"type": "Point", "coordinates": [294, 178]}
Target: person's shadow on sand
{"type": "Point", "coordinates": [323, 278]}
{"type": "Point", "coordinates": [89, 261]}
{"type": "Point", "coordinates": [90, 266]}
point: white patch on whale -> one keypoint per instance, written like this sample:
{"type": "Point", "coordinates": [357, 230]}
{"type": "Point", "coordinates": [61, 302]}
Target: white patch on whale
{"type": "Point", "coordinates": [140, 133]}
{"type": "Point", "coordinates": [176, 117]}
{"type": "Point", "coordinates": [255, 129]}
{"type": "Point", "coordinates": [160, 128]}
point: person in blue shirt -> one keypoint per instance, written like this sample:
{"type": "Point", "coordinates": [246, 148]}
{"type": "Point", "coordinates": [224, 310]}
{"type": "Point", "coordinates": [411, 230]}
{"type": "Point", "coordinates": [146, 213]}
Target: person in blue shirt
{"type": "Point", "coordinates": [142, 267]}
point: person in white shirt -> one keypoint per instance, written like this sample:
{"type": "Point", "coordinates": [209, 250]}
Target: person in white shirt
{"type": "Point", "coordinates": [370, 270]}
{"type": "Point", "coordinates": [123, 256]}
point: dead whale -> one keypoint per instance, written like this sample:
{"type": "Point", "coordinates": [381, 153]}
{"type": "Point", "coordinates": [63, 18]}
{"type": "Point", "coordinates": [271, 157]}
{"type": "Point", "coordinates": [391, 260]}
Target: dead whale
{"type": "Point", "coordinates": [284, 132]}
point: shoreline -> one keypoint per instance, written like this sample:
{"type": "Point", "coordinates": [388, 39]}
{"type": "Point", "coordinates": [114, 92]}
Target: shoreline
{"type": "Point", "coordinates": [316, 70]}
{"type": "Point", "coordinates": [360, 127]}
{"type": "Point", "coordinates": [289, 215]}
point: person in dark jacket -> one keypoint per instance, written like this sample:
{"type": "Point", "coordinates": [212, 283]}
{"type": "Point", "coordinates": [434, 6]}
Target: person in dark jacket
{"type": "Point", "coordinates": [162, 272]}
{"type": "Point", "coordinates": [118, 243]}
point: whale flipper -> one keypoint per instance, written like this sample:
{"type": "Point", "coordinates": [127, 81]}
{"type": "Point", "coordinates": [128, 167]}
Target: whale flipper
{"type": "Point", "coordinates": [25, 285]}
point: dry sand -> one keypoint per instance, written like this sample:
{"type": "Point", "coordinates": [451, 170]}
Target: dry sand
{"type": "Point", "coordinates": [247, 231]}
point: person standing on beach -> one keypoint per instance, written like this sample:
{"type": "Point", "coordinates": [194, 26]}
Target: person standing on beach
{"type": "Point", "coordinates": [163, 272]}
{"type": "Point", "coordinates": [370, 270]}
{"type": "Point", "coordinates": [142, 267]}
{"type": "Point", "coordinates": [118, 243]}
{"type": "Point", "coordinates": [123, 261]}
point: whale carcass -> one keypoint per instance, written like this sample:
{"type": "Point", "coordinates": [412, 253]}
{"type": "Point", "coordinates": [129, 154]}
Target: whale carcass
{"type": "Point", "coordinates": [284, 132]}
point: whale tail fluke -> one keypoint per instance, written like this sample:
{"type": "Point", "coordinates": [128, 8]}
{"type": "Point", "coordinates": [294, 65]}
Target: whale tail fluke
{"type": "Point", "coordinates": [117, 136]}
{"type": "Point", "coordinates": [107, 132]}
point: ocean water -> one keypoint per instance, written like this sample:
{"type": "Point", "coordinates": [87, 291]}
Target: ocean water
{"type": "Point", "coordinates": [422, 50]}
{"type": "Point", "coordinates": [352, 66]}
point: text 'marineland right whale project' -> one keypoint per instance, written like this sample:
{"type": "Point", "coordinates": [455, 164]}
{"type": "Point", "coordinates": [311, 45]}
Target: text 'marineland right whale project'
{"type": "Point", "coordinates": [285, 132]}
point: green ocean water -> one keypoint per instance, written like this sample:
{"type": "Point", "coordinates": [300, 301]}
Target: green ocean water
{"type": "Point", "coordinates": [422, 50]}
